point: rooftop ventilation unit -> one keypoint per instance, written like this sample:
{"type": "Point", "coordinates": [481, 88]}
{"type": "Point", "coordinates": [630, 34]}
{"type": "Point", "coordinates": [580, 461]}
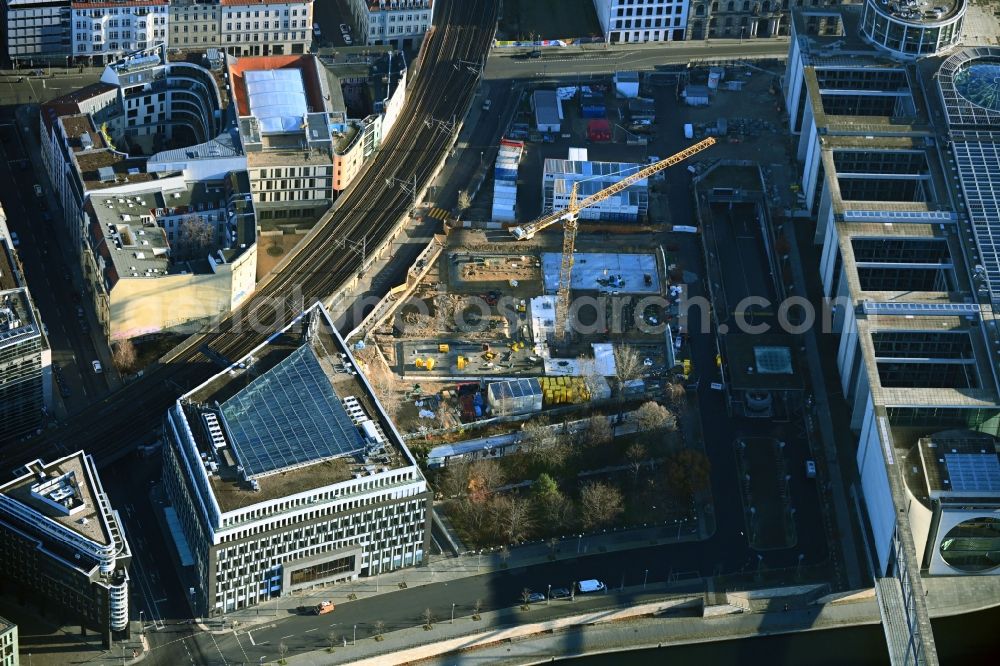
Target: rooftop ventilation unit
{"type": "Point", "coordinates": [106, 174]}
{"type": "Point", "coordinates": [85, 141]}
{"type": "Point", "coordinates": [214, 430]}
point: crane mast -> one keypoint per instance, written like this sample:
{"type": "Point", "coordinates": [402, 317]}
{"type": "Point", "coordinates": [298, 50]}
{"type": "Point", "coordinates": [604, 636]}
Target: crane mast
{"type": "Point", "coordinates": [568, 216]}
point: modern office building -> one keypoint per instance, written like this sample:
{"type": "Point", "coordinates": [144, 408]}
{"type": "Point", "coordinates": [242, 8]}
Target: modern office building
{"type": "Point", "coordinates": [105, 31]}
{"type": "Point", "coordinates": [265, 27]}
{"type": "Point", "coordinates": [36, 32]}
{"type": "Point", "coordinates": [912, 28]}
{"type": "Point", "coordinates": [900, 159]}
{"type": "Point", "coordinates": [559, 176]}
{"type": "Point", "coordinates": [194, 24]}
{"type": "Point", "coordinates": [171, 259]}
{"type": "Point", "coordinates": [630, 21]}
{"type": "Point", "coordinates": [25, 355]}
{"type": "Point", "coordinates": [62, 544]}
{"type": "Point", "coordinates": [284, 472]}
{"type": "Point", "coordinates": [401, 23]}
{"type": "Point", "coordinates": [8, 643]}
{"type": "Point", "coordinates": [302, 148]}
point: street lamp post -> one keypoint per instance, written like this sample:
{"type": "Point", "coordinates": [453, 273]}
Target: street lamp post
{"type": "Point", "coordinates": [548, 595]}
{"type": "Point", "coordinates": [354, 641]}
{"type": "Point", "coordinates": [645, 576]}
{"type": "Point", "coordinates": [453, 613]}
{"type": "Point", "coordinates": [142, 626]}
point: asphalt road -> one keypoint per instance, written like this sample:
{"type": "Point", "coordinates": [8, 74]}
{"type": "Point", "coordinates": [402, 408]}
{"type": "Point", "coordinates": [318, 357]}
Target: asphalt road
{"type": "Point", "coordinates": [574, 61]}
{"type": "Point", "coordinates": [33, 89]}
{"type": "Point", "coordinates": [46, 270]}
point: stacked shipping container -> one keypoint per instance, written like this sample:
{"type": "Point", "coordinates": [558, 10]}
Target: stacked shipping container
{"type": "Point", "coordinates": [505, 180]}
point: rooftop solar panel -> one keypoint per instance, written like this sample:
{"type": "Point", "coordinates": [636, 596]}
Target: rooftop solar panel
{"type": "Point", "coordinates": [289, 417]}
{"type": "Point", "coordinates": [979, 175]}
{"type": "Point", "coordinates": [973, 472]}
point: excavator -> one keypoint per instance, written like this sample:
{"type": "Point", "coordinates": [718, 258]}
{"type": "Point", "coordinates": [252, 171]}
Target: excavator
{"type": "Point", "coordinates": [568, 216]}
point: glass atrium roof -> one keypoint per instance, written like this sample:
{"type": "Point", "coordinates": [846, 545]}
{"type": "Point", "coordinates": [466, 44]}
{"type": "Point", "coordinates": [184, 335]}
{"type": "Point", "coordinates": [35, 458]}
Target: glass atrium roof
{"type": "Point", "coordinates": [979, 82]}
{"type": "Point", "coordinates": [289, 417]}
{"type": "Point", "coordinates": [277, 99]}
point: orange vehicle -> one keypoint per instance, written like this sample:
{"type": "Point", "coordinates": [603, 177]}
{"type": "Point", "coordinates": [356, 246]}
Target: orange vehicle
{"type": "Point", "coordinates": [324, 607]}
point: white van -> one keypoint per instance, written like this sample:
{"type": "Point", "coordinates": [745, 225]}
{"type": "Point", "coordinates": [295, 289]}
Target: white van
{"type": "Point", "coordinates": [591, 585]}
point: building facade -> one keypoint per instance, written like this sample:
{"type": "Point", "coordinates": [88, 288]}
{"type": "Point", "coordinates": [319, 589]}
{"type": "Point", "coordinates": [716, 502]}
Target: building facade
{"type": "Point", "coordinates": [631, 21]}
{"type": "Point", "coordinates": [266, 505]}
{"type": "Point", "coordinates": [401, 23]}
{"type": "Point", "coordinates": [909, 30]}
{"type": "Point", "coordinates": [265, 27]}
{"type": "Point", "coordinates": [62, 543]}
{"type": "Point", "coordinates": [25, 355]}
{"type": "Point", "coordinates": [36, 31]}
{"type": "Point", "coordinates": [105, 31]}
{"type": "Point", "coordinates": [8, 643]}
{"type": "Point", "coordinates": [194, 24]}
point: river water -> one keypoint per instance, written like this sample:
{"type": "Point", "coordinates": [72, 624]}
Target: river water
{"type": "Point", "coordinates": [964, 639]}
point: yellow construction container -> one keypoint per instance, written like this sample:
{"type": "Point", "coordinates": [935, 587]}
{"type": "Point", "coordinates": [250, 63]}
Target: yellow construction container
{"type": "Point", "coordinates": [443, 348]}
{"type": "Point", "coordinates": [461, 362]}
{"type": "Point", "coordinates": [430, 364]}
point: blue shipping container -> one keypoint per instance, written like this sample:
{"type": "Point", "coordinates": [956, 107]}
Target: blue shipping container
{"type": "Point", "coordinates": [593, 111]}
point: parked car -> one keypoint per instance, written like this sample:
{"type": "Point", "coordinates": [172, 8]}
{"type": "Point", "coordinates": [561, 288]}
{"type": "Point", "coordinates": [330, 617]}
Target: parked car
{"type": "Point", "coordinates": [592, 585]}
{"type": "Point", "coordinates": [535, 597]}
{"type": "Point", "coordinates": [323, 607]}
{"type": "Point", "coordinates": [96, 365]}
{"type": "Point", "coordinates": [560, 593]}
{"type": "Point", "coordinates": [811, 469]}
{"type": "Point", "coordinates": [348, 40]}
{"type": "Point", "coordinates": [316, 30]}
{"type": "Point", "coordinates": [38, 190]}
{"type": "Point", "coordinates": [345, 29]}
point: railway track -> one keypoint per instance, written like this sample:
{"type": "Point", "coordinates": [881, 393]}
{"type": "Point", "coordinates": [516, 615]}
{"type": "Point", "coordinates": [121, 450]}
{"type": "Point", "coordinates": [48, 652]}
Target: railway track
{"type": "Point", "coordinates": [442, 88]}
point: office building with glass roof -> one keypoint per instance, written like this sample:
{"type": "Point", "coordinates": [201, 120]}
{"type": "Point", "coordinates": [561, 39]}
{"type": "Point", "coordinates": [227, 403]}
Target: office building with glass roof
{"type": "Point", "coordinates": [899, 187]}
{"type": "Point", "coordinates": [284, 472]}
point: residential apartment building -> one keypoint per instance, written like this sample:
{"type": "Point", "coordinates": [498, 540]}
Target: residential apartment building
{"type": "Point", "coordinates": [36, 31]}
{"type": "Point", "coordinates": [194, 24]}
{"type": "Point", "coordinates": [105, 31]}
{"type": "Point", "coordinates": [62, 543]}
{"type": "Point", "coordinates": [172, 258]}
{"type": "Point", "coordinates": [97, 139]}
{"type": "Point", "coordinates": [401, 23]}
{"type": "Point", "coordinates": [25, 355]}
{"type": "Point", "coordinates": [284, 472]}
{"type": "Point", "coordinates": [8, 643]}
{"type": "Point", "coordinates": [265, 27]}
{"type": "Point", "coordinates": [629, 21]}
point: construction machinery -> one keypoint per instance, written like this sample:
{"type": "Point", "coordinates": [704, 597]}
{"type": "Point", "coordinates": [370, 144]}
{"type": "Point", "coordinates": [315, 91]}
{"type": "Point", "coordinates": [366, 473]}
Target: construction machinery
{"type": "Point", "coordinates": [568, 216]}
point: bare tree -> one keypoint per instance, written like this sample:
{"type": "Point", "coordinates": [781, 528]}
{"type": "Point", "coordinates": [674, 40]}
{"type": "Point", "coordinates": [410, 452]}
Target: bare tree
{"type": "Point", "coordinates": [654, 416]}
{"type": "Point", "coordinates": [525, 598]}
{"type": "Point", "coordinates": [635, 454]}
{"type": "Point", "coordinates": [628, 365]}
{"type": "Point", "coordinates": [282, 652]}
{"type": "Point", "coordinates": [476, 607]}
{"type": "Point", "coordinates": [454, 480]}
{"type": "Point", "coordinates": [600, 504]}
{"type": "Point", "coordinates": [428, 616]}
{"type": "Point", "coordinates": [598, 431]}
{"type": "Point", "coordinates": [547, 444]}
{"type": "Point", "coordinates": [195, 238]}
{"type": "Point", "coordinates": [379, 628]}
{"type": "Point", "coordinates": [512, 518]}
{"type": "Point", "coordinates": [464, 200]}
{"type": "Point", "coordinates": [124, 356]}
{"type": "Point", "coordinates": [332, 640]}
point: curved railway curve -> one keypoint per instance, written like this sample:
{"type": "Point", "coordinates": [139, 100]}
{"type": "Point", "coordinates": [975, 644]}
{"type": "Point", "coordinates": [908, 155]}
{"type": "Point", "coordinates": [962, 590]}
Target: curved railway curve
{"type": "Point", "coordinates": [441, 88]}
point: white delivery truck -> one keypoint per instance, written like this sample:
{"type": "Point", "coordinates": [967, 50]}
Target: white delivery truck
{"type": "Point", "coordinates": [591, 585]}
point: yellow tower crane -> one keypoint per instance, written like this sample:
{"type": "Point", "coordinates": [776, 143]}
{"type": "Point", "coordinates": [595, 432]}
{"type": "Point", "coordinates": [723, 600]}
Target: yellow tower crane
{"type": "Point", "coordinates": [568, 216]}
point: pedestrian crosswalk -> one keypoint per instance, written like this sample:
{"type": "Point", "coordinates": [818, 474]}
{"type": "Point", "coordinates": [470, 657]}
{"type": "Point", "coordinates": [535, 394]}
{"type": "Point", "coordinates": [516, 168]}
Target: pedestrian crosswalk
{"type": "Point", "coordinates": [438, 213]}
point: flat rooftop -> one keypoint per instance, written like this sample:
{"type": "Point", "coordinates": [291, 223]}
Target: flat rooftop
{"type": "Point", "coordinates": [101, 169]}
{"type": "Point", "coordinates": [766, 362]}
{"type": "Point", "coordinates": [599, 271]}
{"type": "Point", "coordinates": [916, 12]}
{"type": "Point", "coordinates": [960, 463]}
{"type": "Point", "coordinates": [290, 417]}
{"type": "Point", "coordinates": [86, 519]}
